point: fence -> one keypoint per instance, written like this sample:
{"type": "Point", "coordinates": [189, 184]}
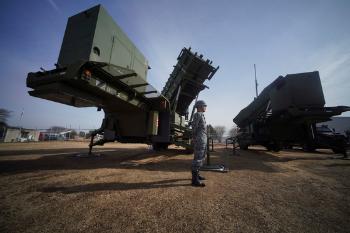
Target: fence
{"type": "Point", "coordinates": [12, 134]}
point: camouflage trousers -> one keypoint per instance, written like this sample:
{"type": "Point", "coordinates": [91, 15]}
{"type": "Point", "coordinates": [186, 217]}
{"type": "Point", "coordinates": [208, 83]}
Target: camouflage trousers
{"type": "Point", "coordinates": [200, 151]}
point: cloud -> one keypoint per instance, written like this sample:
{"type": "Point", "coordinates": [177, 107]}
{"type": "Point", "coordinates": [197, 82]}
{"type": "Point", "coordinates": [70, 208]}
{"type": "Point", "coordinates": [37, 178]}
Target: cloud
{"type": "Point", "coordinates": [54, 5]}
{"type": "Point", "coordinates": [333, 62]}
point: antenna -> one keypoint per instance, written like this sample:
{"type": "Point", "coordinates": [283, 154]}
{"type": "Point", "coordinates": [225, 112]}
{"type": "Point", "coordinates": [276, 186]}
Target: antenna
{"type": "Point", "coordinates": [256, 82]}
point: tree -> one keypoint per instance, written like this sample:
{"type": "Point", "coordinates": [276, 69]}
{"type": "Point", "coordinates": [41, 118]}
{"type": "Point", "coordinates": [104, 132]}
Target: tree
{"type": "Point", "coordinates": [233, 132]}
{"type": "Point", "coordinates": [57, 129]}
{"type": "Point", "coordinates": [88, 134]}
{"type": "Point", "coordinates": [219, 130]}
{"type": "Point", "coordinates": [72, 134]}
{"type": "Point", "coordinates": [82, 134]}
{"type": "Point", "coordinates": [4, 115]}
{"type": "Point", "coordinates": [211, 132]}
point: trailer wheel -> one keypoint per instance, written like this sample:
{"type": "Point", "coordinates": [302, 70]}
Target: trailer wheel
{"type": "Point", "coordinates": [276, 148]}
{"type": "Point", "coordinates": [308, 148]}
{"type": "Point", "coordinates": [157, 146]}
{"type": "Point", "coordinates": [243, 146]}
{"type": "Point", "coordinates": [189, 151]}
{"type": "Point", "coordinates": [273, 147]}
{"type": "Point", "coordinates": [338, 150]}
{"type": "Point", "coordinates": [268, 147]}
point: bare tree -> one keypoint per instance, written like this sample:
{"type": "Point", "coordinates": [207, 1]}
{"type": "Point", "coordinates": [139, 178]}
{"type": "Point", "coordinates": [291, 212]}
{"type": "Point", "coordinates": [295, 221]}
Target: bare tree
{"type": "Point", "coordinates": [57, 129]}
{"type": "Point", "coordinates": [72, 134]}
{"type": "Point", "coordinates": [233, 132]}
{"type": "Point", "coordinates": [82, 134]}
{"type": "Point", "coordinates": [211, 132]}
{"type": "Point", "coordinates": [219, 130]}
{"type": "Point", "coordinates": [4, 115]}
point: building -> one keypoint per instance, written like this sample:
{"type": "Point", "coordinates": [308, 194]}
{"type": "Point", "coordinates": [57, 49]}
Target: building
{"type": "Point", "coordinates": [15, 134]}
{"type": "Point", "coordinates": [3, 128]}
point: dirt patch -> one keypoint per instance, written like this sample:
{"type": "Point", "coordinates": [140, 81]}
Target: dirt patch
{"type": "Point", "coordinates": [130, 188]}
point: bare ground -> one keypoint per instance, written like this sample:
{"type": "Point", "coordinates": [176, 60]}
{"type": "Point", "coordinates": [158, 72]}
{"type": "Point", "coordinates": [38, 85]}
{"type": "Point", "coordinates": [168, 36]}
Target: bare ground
{"type": "Point", "coordinates": [130, 188]}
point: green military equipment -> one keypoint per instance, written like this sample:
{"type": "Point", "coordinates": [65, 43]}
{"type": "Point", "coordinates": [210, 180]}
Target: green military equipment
{"type": "Point", "coordinates": [285, 113]}
{"type": "Point", "coordinates": [186, 80]}
{"type": "Point", "coordinates": [99, 66]}
{"type": "Point", "coordinates": [92, 35]}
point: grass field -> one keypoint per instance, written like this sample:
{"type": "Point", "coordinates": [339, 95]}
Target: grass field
{"type": "Point", "coordinates": [44, 187]}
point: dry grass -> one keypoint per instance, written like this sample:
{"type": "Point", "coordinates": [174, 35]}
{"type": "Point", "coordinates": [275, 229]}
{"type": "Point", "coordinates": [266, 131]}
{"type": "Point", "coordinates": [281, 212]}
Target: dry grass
{"type": "Point", "coordinates": [131, 188]}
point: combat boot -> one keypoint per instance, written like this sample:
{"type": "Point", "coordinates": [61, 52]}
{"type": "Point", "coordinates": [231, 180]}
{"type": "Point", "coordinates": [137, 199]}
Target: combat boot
{"type": "Point", "coordinates": [195, 179]}
{"type": "Point", "coordinates": [201, 177]}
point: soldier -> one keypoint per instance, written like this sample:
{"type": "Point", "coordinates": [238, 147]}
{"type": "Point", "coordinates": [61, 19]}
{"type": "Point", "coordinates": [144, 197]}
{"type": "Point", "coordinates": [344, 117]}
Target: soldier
{"type": "Point", "coordinates": [199, 138]}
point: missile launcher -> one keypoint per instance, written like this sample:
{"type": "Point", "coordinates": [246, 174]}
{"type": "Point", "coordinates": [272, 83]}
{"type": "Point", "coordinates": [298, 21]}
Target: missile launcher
{"type": "Point", "coordinates": [285, 114]}
{"type": "Point", "coordinates": [99, 66]}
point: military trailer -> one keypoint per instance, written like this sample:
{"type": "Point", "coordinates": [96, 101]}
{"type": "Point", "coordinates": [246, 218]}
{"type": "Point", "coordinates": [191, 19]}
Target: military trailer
{"type": "Point", "coordinates": [99, 66]}
{"type": "Point", "coordinates": [285, 114]}
{"type": "Point", "coordinates": [328, 139]}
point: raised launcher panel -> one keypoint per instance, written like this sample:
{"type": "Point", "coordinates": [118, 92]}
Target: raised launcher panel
{"type": "Point", "coordinates": [303, 90]}
{"type": "Point", "coordinates": [92, 35]}
{"type": "Point", "coordinates": [187, 78]}
{"type": "Point", "coordinates": [294, 91]}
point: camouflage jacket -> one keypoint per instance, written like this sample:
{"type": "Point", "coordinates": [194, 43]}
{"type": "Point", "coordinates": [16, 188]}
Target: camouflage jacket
{"type": "Point", "coordinates": [199, 128]}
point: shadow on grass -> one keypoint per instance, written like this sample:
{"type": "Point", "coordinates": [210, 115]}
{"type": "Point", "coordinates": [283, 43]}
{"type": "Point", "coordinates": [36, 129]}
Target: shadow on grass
{"type": "Point", "coordinates": [109, 159]}
{"type": "Point", "coordinates": [41, 151]}
{"type": "Point", "coordinates": [268, 156]}
{"type": "Point", "coordinates": [338, 165]}
{"type": "Point", "coordinates": [260, 159]}
{"type": "Point", "coordinates": [169, 160]}
{"type": "Point", "coordinates": [116, 186]}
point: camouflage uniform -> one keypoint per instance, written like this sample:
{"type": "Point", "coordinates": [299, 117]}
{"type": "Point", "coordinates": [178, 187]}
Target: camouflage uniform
{"type": "Point", "coordinates": [200, 140]}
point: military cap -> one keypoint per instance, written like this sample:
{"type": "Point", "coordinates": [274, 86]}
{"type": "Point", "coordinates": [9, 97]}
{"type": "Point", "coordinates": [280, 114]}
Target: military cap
{"type": "Point", "coordinates": [200, 103]}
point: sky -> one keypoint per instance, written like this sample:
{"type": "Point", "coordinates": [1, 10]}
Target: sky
{"type": "Point", "coordinates": [280, 37]}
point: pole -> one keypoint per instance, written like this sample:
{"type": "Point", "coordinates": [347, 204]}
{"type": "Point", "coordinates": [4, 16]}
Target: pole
{"type": "Point", "coordinates": [234, 145]}
{"type": "Point", "coordinates": [193, 108]}
{"type": "Point", "coordinates": [20, 122]}
{"type": "Point", "coordinates": [70, 130]}
{"type": "Point", "coordinates": [208, 153]}
{"type": "Point", "coordinates": [256, 82]}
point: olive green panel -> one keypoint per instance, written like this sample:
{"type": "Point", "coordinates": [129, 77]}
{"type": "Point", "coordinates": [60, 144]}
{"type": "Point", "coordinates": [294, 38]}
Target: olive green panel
{"type": "Point", "coordinates": [92, 35]}
{"type": "Point", "coordinates": [302, 90]}
{"type": "Point", "coordinates": [78, 37]}
{"type": "Point", "coordinates": [187, 78]}
{"type": "Point", "coordinates": [132, 124]}
{"type": "Point", "coordinates": [116, 48]}
{"type": "Point", "coordinates": [294, 91]}
{"type": "Point", "coordinates": [179, 120]}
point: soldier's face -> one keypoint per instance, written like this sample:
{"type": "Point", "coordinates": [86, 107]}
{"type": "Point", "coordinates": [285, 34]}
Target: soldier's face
{"type": "Point", "coordinates": [202, 109]}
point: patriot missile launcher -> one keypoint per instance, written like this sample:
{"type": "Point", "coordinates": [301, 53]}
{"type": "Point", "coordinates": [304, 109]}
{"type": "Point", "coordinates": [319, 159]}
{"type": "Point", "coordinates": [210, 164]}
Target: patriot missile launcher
{"type": "Point", "coordinates": [286, 112]}
{"type": "Point", "coordinates": [99, 66]}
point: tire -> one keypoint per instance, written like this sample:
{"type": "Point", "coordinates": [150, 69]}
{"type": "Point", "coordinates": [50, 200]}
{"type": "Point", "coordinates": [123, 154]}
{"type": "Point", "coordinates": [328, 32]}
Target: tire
{"type": "Point", "coordinates": [243, 146]}
{"type": "Point", "coordinates": [276, 148]}
{"type": "Point", "coordinates": [273, 147]}
{"type": "Point", "coordinates": [158, 146]}
{"type": "Point", "coordinates": [189, 151]}
{"type": "Point", "coordinates": [309, 148]}
{"type": "Point", "coordinates": [338, 150]}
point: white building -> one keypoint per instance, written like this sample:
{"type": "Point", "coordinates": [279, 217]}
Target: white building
{"type": "Point", "coordinates": [14, 134]}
